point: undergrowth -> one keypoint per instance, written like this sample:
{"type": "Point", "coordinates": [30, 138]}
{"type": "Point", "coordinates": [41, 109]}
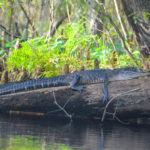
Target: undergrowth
{"type": "Point", "coordinates": [74, 46]}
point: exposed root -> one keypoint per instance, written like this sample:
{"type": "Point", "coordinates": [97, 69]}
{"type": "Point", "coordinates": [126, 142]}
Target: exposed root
{"type": "Point", "coordinates": [111, 100]}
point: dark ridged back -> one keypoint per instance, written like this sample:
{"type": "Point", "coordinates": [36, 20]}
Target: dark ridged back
{"type": "Point", "coordinates": [86, 77]}
{"type": "Point", "coordinates": [92, 76]}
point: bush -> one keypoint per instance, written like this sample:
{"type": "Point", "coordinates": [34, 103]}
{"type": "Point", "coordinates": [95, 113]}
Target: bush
{"type": "Point", "coordinates": [75, 47]}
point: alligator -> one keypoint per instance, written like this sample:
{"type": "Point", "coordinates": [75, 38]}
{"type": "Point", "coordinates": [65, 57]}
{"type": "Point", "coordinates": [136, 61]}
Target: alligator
{"type": "Point", "coordinates": [76, 80]}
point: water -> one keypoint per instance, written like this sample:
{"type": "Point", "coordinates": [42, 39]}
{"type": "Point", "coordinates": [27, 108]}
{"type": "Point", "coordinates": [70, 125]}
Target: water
{"type": "Point", "coordinates": [39, 134]}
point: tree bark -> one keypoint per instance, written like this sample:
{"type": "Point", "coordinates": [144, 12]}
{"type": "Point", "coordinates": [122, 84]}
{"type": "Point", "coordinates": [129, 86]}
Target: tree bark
{"type": "Point", "coordinates": [128, 100]}
{"type": "Point", "coordinates": [28, 19]}
{"type": "Point", "coordinates": [123, 27]}
{"type": "Point", "coordinates": [11, 18]}
{"type": "Point", "coordinates": [137, 12]}
{"type": "Point", "coordinates": [96, 26]}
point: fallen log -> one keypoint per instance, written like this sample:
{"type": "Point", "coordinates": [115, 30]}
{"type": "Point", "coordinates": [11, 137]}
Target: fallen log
{"type": "Point", "coordinates": [127, 100]}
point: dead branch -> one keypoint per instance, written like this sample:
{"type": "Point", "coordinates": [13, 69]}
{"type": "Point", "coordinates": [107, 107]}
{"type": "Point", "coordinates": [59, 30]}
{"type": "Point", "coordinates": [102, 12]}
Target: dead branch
{"type": "Point", "coordinates": [60, 21]}
{"type": "Point", "coordinates": [28, 18]}
{"type": "Point", "coordinates": [55, 101]}
{"type": "Point", "coordinates": [115, 117]}
{"type": "Point", "coordinates": [53, 111]}
{"type": "Point", "coordinates": [9, 33]}
{"type": "Point", "coordinates": [114, 98]}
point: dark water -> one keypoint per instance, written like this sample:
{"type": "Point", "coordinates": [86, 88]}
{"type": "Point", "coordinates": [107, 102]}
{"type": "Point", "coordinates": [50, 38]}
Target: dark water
{"type": "Point", "coordinates": [39, 134]}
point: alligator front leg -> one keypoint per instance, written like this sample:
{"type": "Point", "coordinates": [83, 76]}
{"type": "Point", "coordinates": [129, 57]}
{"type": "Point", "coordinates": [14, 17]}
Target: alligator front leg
{"type": "Point", "coordinates": [105, 89]}
{"type": "Point", "coordinates": [74, 82]}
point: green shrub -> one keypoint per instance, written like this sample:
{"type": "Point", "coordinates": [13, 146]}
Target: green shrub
{"type": "Point", "coordinates": [75, 47]}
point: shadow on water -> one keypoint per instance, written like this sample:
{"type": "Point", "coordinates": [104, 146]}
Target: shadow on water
{"type": "Point", "coordinates": [40, 134]}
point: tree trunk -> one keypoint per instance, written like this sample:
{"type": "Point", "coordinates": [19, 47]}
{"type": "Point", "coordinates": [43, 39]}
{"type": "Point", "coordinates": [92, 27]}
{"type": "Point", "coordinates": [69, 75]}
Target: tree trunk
{"type": "Point", "coordinates": [137, 12]}
{"type": "Point", "coordinates": [127, 100]}
{"type": "Point", "coordinates": [11, 18]}
{"type": "Point", "coordinates": [96, 26]}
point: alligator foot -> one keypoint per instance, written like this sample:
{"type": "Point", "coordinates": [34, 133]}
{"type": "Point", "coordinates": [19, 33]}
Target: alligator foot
{"type": "Point", "coordinates": [104, 98]}
{"type": "Point", "coordinates": [74, 82]}
{"type": "Point", "coordinates": [77, 88]}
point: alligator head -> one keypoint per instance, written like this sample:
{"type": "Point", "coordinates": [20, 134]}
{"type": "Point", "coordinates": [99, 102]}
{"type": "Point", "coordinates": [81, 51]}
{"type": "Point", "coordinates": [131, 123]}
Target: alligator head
{"type": "Point", "coordinates": [128, 74]}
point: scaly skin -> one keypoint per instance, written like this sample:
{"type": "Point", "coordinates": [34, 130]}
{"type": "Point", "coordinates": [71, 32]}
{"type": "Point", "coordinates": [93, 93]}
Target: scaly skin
{"type": "Point", "coordinates": [75, 80]}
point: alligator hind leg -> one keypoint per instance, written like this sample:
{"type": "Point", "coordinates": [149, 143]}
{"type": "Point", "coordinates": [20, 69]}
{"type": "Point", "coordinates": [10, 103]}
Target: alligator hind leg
{"type": "Point", "coordinates": [105, 89]}
{"type": "Point", "coordinates": [74, 82]}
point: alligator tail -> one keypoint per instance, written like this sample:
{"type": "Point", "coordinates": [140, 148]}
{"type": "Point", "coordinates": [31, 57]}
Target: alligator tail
{"type": "Point", "coordinates": [15, 87]}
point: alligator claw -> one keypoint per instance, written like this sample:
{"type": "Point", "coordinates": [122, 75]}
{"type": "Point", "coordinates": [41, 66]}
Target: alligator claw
{"type": "Point", "coordinates": [105, 98]}
{"type": "Point", "coordinates": [81, 88]}
{"type": "Point", "coordinates": [77, 88]}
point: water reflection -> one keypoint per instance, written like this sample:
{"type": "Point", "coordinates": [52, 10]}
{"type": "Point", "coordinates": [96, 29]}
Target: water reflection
{"type": "Point", "coordinates": [39, 134]}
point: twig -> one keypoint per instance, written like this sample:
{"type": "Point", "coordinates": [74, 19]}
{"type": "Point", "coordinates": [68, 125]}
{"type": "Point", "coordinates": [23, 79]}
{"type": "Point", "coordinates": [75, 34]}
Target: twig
{"type": "Point", "coordinates": [124, 30]}
{"type": "Point", "coordinates": [115, 117]}
{"type": "Point", "coordinates": [59, 109]}
{"type": "Point", "coordinates": [114, 114]}
{"type": "Point", "coordinates": [9, 33]}
{"type": "Point", "coordinates": [113, 98]}
{"type": "Point", "coordinates": [51, 21]}
{"type": "Point", "coordinates": [122, 122]}
{"type": "Point", "coordinates": [55, 101]}
{"type": "Point", "coordinates": [60, 21]}
{"type": "Point", "coordinates": [68, 11]}
{"type": "Point", "coordinates": [27, 17]}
